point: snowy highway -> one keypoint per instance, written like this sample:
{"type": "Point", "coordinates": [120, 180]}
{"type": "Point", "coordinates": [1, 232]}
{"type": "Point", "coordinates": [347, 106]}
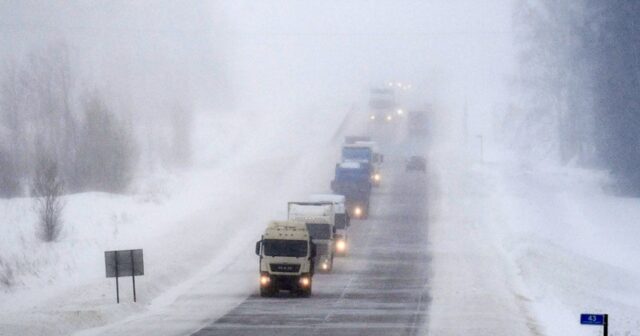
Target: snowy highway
{"type": "Point", "coordinates": [380, 288]}
{"type": "Point", "coordinates": [233, 141]}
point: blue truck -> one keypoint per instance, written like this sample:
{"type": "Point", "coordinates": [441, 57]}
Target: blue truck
{"type": "Point", "coordinates": [366, 153]}
{"type": "Point", "coordinates": [353, 180]}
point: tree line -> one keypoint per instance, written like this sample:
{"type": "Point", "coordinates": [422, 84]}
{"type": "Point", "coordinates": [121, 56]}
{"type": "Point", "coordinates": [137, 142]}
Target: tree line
{"type": "Point", "coordinates": [46, 117]}
{"type": "Point", "coordinates": [579, 97]}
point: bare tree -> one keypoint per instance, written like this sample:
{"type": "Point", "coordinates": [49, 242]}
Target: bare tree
{"type": "Point", "coordinates": [47, 190]}
{"type": "Point", "coordinates": [13, 157]}
{"type": "Point", "coordinates": [106, 155]}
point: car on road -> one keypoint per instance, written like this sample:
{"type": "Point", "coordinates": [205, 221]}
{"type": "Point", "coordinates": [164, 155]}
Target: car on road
{"type": "Point", "coordinates": [418, 163]}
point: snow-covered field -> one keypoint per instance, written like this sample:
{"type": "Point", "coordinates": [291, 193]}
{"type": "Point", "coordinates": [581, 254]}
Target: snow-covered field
{"type": "Point", "coordinates": [523, 249]}
{"type": "Point", "coordinates": [197, 229]}
{"type": "Point", "coordinates": [518, 249]}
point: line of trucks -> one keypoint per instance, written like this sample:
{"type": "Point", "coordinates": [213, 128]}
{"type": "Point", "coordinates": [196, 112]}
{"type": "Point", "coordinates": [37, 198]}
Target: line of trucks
{"type": "Point", "coordinates": [316, 230]}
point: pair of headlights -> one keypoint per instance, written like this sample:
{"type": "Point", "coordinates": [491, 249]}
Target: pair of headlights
{"type": "Point", "coordinates": [387, 118]}
{"type": "Point", "coordinates": [265, 280]}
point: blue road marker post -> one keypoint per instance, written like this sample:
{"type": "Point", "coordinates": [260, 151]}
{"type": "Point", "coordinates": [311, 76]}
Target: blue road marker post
{"type": "Point", "coordinates": [596, 319]}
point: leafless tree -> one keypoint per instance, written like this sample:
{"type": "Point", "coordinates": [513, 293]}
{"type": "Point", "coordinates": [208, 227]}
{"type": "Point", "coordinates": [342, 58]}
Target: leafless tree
{"type": "Point", "coordinates": [106, 156]}
{"type": "Point", "coordinates": [47, 192]}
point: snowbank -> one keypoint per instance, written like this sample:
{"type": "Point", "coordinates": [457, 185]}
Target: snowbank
{"type": "Point", "coordinates": [475, 289]}
{"type": "Point", "coordinates": [576, 248]}
{"type": "Point", "coordinates": [197, 229]}
{"type": "Point", "coordinates": [523, 250]}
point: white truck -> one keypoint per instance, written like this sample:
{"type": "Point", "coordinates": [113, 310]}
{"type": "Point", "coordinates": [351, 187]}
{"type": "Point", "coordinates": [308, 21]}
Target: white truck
{"type": "Point", "coordinates": [319, 218]}
{"type": "Point", "coordinates": [286, 258]}
{"type": "Point", "coordinates": [342, 220]}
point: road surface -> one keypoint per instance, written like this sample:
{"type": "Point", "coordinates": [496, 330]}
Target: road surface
{"type": "Point", "coordinates": [380, 288]}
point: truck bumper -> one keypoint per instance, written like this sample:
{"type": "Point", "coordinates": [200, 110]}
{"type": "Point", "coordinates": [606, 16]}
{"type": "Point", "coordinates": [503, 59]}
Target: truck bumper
{"type": "Point", "coordinates": [286, 282]}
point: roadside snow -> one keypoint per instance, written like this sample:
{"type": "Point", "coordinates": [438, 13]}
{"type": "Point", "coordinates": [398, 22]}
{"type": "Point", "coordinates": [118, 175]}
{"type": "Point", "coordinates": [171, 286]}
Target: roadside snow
{"type": "Point", "coordinates": [520, 249]}
{"type": "Point", "coordinates": [575, 246]}
{"type": "Point", "coordinates": [197, 229]}
{"type": "Point", "coordinates": [474, 287]}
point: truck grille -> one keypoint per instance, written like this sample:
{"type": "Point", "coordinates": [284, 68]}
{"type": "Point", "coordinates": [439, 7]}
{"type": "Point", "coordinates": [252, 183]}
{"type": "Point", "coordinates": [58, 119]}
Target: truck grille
{"type": "Point", "coordinates": [285, 268]}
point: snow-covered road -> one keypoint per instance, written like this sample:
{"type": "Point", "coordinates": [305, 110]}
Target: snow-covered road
{"type": "Point", "coordinates": [494, 248]}
{"type": "Point", "coordinates": [380, 288]}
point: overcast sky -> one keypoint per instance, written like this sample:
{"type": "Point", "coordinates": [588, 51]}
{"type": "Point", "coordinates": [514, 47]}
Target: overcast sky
{"type": "Point", "coordinates": [282, 53]}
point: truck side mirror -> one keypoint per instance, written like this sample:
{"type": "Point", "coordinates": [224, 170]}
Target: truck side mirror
{"type": "Point", "coordinates": [381, 158]}
{"type": "Point", "coordinates": [258, 247]}
{"type": "Point", "coordinates": [333, 185]}
{"type": "Point", "coordinates": [333, 229]}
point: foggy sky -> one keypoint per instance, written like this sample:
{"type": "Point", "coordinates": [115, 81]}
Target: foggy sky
{"type": "Point", "coordinates": [274, 55]}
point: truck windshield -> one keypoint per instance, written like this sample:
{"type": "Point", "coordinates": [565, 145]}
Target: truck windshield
{"type": "Point", "coordinates": [353, 175]}
{"type": "Point", "coordinates": [319, 231]}
{"type": "Point", "coordinates": [284, 248]}
{"type": "Point", "coordinates": [356, 153]}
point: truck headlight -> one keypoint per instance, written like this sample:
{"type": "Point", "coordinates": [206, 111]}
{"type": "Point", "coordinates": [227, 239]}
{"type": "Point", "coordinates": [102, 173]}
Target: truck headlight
{"type": "Point", "coordinates": [325, 266]}
{"type": "Point", "coordinates": [372, 117]}
{"type": "Point", "coordinates": [265, 280]}
{"type": "Point", "coordinates": [304, 281]}
{"type": "Point", "coordinates": [357, 211]}
{"type": "Point", "coordinates": [376, 177]}
{"type": "Point", "coordinates": [389, 118]}
{"type": "Point", "coordinates": [341, 245]}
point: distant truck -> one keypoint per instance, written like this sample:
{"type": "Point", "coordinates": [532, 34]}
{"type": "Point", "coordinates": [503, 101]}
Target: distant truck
{"type": "Point", "coordinates": [286, 259]}
{"type": "Point", "coordinates": [353, 180]}
{"type": "Point", "coordinates": [342, 220]}
{"type": "Point", "coordinates": [382, 103]}
{"type": "Point", "coordinates": [319, 218]}
{"type": "Point", "coordinates": [367, 153]}
{"type": "Point", "coordinates": [376, 160]}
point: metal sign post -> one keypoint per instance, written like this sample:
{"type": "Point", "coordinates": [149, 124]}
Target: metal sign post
{"type": "Point", "coordinates": [596, 319]}
{"type": "Point", "coordinates": [133, 277]}
{"type": "Point", "coordinates": [124, 263]}
{"type": "Point", "coordinates": [117, 286]}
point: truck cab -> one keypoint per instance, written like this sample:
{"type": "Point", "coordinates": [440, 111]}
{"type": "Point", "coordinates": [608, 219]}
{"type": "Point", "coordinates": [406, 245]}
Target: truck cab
{"type": "Point", "coordinates": [366, 153]}
{"type": "Point", "coordinates": [286, 254]}
{"type": "Point", "coordinates": [382, 103]}
{"type": "Point", "coordinates": [376, 160]}
{"type": "Point", "coordinates": [319, 218]}
{"type": "Point", "coordinates": [352, 179]}
{"type": "Point", "coordinates": [342, 220]}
